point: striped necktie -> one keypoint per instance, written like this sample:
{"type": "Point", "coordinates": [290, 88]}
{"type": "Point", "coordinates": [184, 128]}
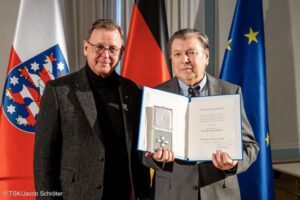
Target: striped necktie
{"type": "Point", "coordinates": [193, 91]}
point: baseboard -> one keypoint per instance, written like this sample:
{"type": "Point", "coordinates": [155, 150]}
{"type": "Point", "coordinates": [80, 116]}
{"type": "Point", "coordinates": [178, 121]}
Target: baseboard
{"type": "Point", "coordinates": [285, 155]}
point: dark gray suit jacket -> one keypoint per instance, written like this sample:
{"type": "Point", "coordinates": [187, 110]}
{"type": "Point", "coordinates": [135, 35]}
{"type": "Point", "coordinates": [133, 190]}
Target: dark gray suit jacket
{"type": "Point", "coordinates": [69, 154]}
{"type": "Point", "coordinates": [181, 180]}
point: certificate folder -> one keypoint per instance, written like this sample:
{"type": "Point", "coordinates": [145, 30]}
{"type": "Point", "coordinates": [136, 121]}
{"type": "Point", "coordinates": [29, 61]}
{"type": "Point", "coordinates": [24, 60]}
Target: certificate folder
{"type": "Point", "coordinates": [193, 128]}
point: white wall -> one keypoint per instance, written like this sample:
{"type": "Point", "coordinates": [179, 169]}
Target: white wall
{"type": "Point", "coordinates": [282, 31]}
{"type": "Point", "coordinates": [283, 62]}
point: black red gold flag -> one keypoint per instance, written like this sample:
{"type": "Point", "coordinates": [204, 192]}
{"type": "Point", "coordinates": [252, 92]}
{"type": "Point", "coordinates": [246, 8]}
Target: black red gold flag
{"type": "Point", "coordinates": [145, 60]}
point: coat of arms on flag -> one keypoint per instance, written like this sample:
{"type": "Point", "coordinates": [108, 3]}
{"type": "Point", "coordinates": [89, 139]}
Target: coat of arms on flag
{"type": "Point", "coordinates": [25, 85]}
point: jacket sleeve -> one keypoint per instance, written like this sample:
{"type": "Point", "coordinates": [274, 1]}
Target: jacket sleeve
{"type": "Point", "coordinates": [250, 146]}
{"type": "Point", "coordinates": [47, 148]}
{"type": "Point", "coordinates": [151, 163]}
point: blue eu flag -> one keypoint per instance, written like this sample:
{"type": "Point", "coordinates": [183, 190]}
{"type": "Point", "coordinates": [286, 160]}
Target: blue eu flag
{"type": "Point", "coordinates": [244, 65]}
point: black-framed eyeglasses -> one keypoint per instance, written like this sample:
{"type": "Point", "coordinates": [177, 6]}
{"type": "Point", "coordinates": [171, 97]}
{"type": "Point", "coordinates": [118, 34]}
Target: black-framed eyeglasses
{"type": "Point", "coordinates": [99, 48]}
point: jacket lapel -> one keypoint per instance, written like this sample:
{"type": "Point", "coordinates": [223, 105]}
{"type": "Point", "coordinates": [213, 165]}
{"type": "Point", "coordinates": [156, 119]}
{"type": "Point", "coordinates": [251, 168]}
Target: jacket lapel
{"type": "Point", "coordinates": [126, 105]}
{"type": "Point", "coordinates": [213, 86]}
{"type": "Point", "coordinates": [86, 101]}
{"type": "Point", "coordinates": [170, 86]}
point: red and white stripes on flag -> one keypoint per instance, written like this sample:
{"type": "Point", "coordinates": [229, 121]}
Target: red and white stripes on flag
{"type": "Point", "coordinates": [38, 55]}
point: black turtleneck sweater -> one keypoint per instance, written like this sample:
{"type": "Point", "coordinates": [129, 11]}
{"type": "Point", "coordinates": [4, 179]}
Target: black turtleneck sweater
{"type": "Point", "coordinates": [110, 118]}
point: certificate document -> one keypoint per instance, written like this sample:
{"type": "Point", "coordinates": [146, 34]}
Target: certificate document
{"type": "Point", "coordinates": [193, 128]}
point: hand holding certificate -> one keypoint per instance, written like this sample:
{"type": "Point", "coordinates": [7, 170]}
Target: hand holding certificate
{"type": "Point", "coordinates": [193, 128]}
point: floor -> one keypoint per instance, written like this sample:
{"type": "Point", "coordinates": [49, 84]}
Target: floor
{"type": "Point", "coordinates": [287, 187]}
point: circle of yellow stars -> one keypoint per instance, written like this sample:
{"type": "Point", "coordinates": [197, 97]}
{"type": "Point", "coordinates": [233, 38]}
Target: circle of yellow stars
{"type": "Point", "coordinates": [251, 38]}
{"type": "Point", "coordinates": [251, 35]}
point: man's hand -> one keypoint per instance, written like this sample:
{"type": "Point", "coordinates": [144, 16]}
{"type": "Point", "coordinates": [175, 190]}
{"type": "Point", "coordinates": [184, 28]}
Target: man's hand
{"type": "Point", "coordinates": [223, 161]}
{"type": "Point", "coordinates": [161, 155]}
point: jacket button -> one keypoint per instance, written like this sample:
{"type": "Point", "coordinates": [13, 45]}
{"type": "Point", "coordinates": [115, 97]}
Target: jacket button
{"type": "Point", "coordinates": [195, 187]}
{"type": "Point", "coordinates": [101, 158]}
{"type": "Point", "coordinates": [98, 186]}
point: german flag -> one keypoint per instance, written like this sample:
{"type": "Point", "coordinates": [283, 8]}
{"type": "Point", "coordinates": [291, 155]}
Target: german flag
{"type": "Point", "coordinates": [145, 60]}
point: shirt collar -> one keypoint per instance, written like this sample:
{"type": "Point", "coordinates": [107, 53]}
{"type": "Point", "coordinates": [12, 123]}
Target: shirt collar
{"type": "Point", "coordinates": [184, 88]}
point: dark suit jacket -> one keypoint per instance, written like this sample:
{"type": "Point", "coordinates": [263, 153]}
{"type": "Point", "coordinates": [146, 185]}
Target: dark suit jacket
{"type": "Point", "coordinates": [181, 180]}
{"type": "Point", "coordinates": [69, 154]}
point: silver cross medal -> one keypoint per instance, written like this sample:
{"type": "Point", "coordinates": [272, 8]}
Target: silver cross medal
{"type": "Point", "coordinates": [162, 141]}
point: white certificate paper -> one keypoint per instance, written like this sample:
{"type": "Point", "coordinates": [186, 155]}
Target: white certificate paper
{"type": "Point", "coordinates": [193, 128]}
{"type": "Point", "coordinates": [214, 123]}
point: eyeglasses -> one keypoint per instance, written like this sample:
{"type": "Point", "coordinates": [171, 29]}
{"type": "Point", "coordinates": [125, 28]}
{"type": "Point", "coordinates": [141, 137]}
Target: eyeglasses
{"type": "Point", "coordinates": [189, 54]}
{"type": "Point", "coordinates": [100, 49]}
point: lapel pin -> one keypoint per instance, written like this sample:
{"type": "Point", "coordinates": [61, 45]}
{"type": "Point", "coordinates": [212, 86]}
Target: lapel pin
{"type": "Point", "coordinates": [125, 107]}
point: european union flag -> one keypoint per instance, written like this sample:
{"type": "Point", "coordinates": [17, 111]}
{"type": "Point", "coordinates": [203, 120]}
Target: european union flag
{"type": "Point", "coordinates": [244, 65]}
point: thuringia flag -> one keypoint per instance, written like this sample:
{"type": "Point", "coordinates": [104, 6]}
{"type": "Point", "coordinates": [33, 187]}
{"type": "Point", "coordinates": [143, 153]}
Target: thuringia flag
{"type": "Point", "coordinates": [25, 85]}
{"type": "Point", "coordinates": [38, 55]}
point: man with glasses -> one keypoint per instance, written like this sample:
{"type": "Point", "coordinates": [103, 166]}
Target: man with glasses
{"type": "Point", "coordinates": [86, 135]}
{"type": "Point", "coordinates": [177, 179]}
